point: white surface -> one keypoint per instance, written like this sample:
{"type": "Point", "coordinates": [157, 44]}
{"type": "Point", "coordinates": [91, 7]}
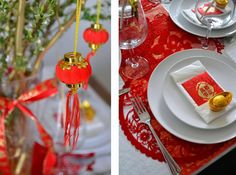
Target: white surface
{"type": "Point", "coordinates": [176, 94]}
{"type": "Point", "coordinates": [175, 11]}
{"type": "Point", "coordinates": [166, 118]}
{"type": "Point", "coordinates": [230, 50]}
{"type": "Point", "coordinates": [132, 162]}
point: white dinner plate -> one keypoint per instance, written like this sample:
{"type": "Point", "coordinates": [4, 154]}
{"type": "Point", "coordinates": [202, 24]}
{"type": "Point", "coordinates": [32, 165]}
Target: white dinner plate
{"type": "Point", "coordinates": [183, 109]}
{"type": "Point", "coordinates": [199, 24]}
{"type": "Point", "coordinates": [163, 114]}
{"type": "Point", "coordinates": [175, 11]}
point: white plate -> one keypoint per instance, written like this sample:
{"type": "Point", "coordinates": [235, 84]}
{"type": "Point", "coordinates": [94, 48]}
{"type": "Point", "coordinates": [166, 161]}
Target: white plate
{"type": "Point", "coordinates": [166, 118]}
{"type": "Point", "coordinates": [175, 11]}
{"type": "Point", "coordinates": [185, 110]}
{"type": "Point", "coordinates": [198, 24]}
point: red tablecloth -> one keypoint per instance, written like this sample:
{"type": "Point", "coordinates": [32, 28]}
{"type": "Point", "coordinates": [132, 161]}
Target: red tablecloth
{"type": "Point", "coordinates": [164, 38]}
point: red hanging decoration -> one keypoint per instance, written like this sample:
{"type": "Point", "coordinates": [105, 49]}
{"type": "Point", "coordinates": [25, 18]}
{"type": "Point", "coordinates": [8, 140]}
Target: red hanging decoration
{"type": "Point", "coordinates": [74, 71]}
{"type": "Point", "coordinates": [96, 35]}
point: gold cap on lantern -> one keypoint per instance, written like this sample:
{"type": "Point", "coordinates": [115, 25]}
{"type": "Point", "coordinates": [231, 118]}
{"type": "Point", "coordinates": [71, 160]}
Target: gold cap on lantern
{"type": "Point", "coordinates": [220, 101]}
{"type": "Point", "coordinates": [96, 26]}
{"type": "Point", "coordinates": [73, 59]}
{"type": "Point", "coordinates": [221, 3]}
{"type": "Point", "coordinates": [74, 87]}
{"type": "Point", "coordinates": [94, 47]}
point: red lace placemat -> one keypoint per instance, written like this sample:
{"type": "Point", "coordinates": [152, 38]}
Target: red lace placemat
{"type": "Point", "coordinates": [164, 38]}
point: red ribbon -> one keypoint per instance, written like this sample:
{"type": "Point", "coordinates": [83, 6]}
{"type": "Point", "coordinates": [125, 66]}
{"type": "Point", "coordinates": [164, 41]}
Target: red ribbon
{"type": "Point", "coordinates": [41, 91]}
{"type": "Point", "coordinates": [89, 55]}
{"type": "Point", "coordinates": [45, 160]}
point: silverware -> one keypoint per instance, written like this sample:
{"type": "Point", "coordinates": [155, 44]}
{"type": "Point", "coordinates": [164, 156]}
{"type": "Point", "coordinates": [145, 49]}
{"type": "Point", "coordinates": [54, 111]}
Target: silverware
{"type": "Point", "coordinates": [145, 118]}
{"type": "Point", "coordinates": [123, 91]}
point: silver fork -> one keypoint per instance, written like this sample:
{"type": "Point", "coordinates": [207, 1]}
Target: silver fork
{"type": "Point", "coordinates": [145, 118]}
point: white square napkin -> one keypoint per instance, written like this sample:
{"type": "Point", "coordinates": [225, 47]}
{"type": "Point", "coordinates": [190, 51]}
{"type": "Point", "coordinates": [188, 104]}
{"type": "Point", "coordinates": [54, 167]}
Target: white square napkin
{"type": "Point", "coordinates": [190, 14]}
{"type": "Point", "coordinates": [186, 73]}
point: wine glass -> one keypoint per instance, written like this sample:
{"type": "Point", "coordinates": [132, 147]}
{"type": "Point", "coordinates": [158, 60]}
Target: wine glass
{"type": "Point", "coordinates": [132, 32]}
{"type": "Point", "coordinates": [214, 14]}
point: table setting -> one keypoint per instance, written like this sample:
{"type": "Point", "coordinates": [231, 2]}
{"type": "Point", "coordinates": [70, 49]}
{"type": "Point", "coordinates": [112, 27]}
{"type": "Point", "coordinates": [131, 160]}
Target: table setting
{"type": "Point", "coordinates": [177, 107]}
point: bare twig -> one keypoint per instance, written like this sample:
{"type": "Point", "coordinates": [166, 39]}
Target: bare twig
{"type": "Point", "coordinates": [19, 33]}
{"type": "Point", "coordinates": [60, 32]}
{"type": "Point", "coordinates": [20, 28]}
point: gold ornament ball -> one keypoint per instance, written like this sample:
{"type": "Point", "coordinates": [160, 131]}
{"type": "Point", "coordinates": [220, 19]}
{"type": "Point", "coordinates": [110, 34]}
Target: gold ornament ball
{"type": "Point", "coordinates": [220, 101]}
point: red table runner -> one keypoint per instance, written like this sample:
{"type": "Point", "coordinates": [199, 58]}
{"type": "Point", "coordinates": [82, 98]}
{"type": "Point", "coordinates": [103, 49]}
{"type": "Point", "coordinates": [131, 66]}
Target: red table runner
{"type": "Point", "coordinates": [164, 38]}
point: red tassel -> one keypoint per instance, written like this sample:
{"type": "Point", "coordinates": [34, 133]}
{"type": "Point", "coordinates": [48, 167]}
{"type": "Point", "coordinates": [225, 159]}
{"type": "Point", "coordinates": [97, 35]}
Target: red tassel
{"type": "Point", "coordinates": [72, 124]}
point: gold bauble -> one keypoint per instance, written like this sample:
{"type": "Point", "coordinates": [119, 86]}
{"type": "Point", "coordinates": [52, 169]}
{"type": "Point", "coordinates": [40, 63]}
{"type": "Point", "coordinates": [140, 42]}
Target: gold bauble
{"type": "Point", "coordinates": [220, 101]}
{"type": "Point", "coordinates": [88, 111]}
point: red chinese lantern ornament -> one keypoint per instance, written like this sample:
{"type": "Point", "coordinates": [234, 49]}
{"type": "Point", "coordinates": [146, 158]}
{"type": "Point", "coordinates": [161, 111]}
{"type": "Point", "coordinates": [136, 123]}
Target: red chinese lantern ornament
{"type": "Point", "coordinates": [74, 71]}
{"type": "Point", "coordinates": [96, 35]}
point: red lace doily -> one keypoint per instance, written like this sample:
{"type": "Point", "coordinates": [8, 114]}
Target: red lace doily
{"type": "Point", "coordinates": [164, 38]}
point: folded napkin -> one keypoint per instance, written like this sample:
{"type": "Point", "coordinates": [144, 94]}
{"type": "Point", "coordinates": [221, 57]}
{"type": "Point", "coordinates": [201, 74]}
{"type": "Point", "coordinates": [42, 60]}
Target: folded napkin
{"type": "Point", "coordinates": [189, 14]}
{"type": "Point", "coordinates": [199, 86]}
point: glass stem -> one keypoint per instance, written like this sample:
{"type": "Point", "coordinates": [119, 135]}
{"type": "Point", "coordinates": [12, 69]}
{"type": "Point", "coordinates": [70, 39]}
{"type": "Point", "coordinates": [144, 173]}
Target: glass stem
{"type": "Point", "coordinates": [132, 61]}
{"type": "Point", "coordinates": [208, 33]}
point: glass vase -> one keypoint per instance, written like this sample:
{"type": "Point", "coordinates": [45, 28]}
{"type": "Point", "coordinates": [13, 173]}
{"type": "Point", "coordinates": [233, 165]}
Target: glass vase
{"type": "Point", "coordinates": [17, 133]}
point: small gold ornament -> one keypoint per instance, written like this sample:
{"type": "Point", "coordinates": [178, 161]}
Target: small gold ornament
{"type": "Point", "coordinates": [220, 101]}
{"type": "Point", "coordinates": [221, 3]}
{"type": "Point", "coordinates": [88, 111]}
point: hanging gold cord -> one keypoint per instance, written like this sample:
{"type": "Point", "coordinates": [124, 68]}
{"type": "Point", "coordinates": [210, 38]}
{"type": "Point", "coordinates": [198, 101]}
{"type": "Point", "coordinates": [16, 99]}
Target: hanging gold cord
{"type": "Point", "coordinates": [98, 11]}
{"type": "Point", "coordinates": [78, 10]}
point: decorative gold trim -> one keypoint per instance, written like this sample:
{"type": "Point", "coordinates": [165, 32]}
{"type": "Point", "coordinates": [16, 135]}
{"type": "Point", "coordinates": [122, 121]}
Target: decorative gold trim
{"type": "Point", "coordinates": [70, 59]}
{"type": "Point", "coordinates": [96, 26]}
{"type": "Point", "coordinates": [220, 101]}
{"type": "Point", "coordinates": [74, 87]}
{"type": "Point", "coordinates": [94, 47]}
